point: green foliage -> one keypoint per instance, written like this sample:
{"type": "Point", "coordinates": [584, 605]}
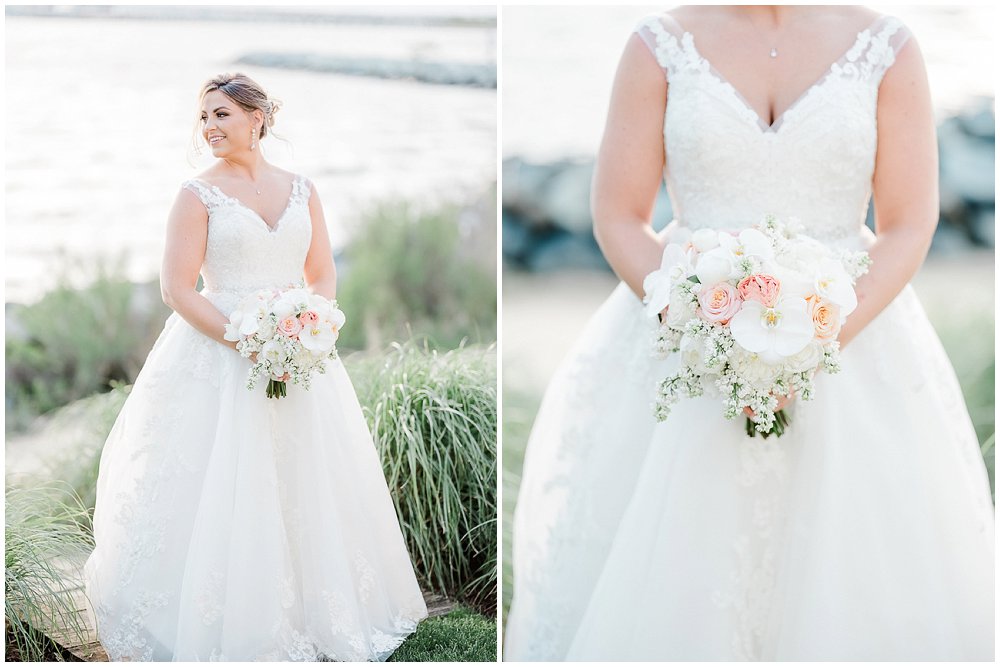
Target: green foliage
{"type": "Point", "coordinates": [45, 540]}
{"type": "Point", "coordinates": [74, 342]}
{"type": "Point", "coordinates": [411, 273]}
{"type": "Point", "coordinates": [82, 427]}
{"type": "Point", "coordinates": [459, 636]}
{"type": "Point", "coordinates": [434, 420]}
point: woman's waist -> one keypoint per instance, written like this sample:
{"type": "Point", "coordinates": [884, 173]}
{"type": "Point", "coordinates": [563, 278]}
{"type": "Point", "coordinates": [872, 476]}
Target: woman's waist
{"type": "Point", "coordinates": [853, 237]}
{"type": "Point", "coordinates": [227, 296]}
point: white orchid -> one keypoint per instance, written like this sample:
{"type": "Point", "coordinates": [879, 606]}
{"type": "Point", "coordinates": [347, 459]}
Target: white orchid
{"type": "Point", "coordinates": [319, 337]}
{"type": "Point", "coordinates": [773, 333]}
{"type": "Point", "coordinates": [675, 266]}
{"type": "Point", "coordinates": [832, 282]}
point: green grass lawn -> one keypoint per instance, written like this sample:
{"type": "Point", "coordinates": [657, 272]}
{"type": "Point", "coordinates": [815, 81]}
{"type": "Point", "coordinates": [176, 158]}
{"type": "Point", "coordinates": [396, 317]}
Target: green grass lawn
{"type": "Point", "coordinates": [459, 636]}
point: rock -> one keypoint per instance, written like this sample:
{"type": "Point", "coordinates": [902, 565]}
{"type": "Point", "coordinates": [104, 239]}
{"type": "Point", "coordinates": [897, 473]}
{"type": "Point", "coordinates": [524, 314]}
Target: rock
{"type": "Point", "coordinates": [949, 240]}
{"type": "Point", "coordinates": [982, 227]}
{"type": "Point", "coordinates": [476, 75]}
{"type": "Point", "coordinates": [567, 251]}
{"type": "Point", "coordinates": [516, 241]}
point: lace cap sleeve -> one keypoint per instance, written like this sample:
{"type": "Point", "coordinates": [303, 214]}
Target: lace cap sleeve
{"type": "Point", "coordinates": [208, 196]}
{"type": "Point", "coordinates": [888, 37]}
{"type": "Point", "coordinates": [660, 33]}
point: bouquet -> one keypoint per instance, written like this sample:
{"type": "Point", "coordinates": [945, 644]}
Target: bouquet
{"type": "Point", "coordinates": [753, 315]}
{"type": "Point", "coordinates": [292, 331]}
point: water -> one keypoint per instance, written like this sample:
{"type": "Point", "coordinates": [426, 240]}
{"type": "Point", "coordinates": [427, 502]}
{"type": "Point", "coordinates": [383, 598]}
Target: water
{"type": "Point", "coordinates": [559, 64]}
{"type": "Point", "coordinates": [100, 114]}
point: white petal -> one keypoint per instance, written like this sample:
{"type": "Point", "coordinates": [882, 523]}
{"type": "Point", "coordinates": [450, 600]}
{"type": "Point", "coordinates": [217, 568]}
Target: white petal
{"type": "Point", "coordinates": [747, 329]}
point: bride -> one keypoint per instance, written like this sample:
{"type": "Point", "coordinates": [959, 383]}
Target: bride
{"type": "Point", "coordinates": [231, 526]}
{"type": "Point", "coordinates": [866, 531]}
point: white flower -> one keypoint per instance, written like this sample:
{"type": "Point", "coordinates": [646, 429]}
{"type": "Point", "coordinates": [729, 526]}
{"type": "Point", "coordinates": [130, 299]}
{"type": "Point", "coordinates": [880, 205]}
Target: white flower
{"type": "Point", "coordinates": [291, 302]}
{"type": "Point", "coordinates": [806, 360]}
{"type": "Point", "coordinates": [336, 318]}
{"type": "Point", "coordinates": [674, 267]}
{"type": "Point", "coordinates": [704, 240]}
{"type": "Point", "coordinates": [319, 337]}
{"type": "Point", "coordinates": [773, 333]}
{"type": "Point", "coordinates": [834, 284]}
{"type": "Point", "coordinates": [692, 354]}
{"type": "Point", "coordinates": [725, 262]}
{"type": "Point", "coordinates": [750, 368]}
{"type": "Point", "coordinates": [273, 355]}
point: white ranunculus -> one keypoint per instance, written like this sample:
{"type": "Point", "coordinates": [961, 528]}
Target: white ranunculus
{"type": "Point", "coordinates": [773, 333]}
{"type": "Point", "coordinates": [693, 354]}
{"type": "Point", "coordinates": [715, 266]}
{"type": "Point", "coordinates": [704, 240]}
{"type": "Point", "coordinates": [750, 368]}
{"type": "Point", "coordinates": [806, 360]}
{"type": "Point", "coordinates": [679, 313]}
{"type": "Point", "coordinates": [675, 265]}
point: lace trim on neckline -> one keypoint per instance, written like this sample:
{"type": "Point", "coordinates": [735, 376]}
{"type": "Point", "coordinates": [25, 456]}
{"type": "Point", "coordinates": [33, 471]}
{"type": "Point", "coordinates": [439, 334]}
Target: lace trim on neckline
{"type": "Point", "coordinates": [212, 196]}
{"type": "Point", "coordinates": [675, 56]}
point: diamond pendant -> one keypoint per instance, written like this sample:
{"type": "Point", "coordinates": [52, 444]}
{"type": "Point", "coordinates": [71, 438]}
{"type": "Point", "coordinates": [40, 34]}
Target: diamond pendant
{"type": "Point", "coordinates": [774, 52]}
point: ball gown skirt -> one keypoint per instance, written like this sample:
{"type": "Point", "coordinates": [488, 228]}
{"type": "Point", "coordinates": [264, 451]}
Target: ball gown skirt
{"type": "Point", "coordinates": [230, 526]}
{"type": "Point", "coordinates": [865, 532]}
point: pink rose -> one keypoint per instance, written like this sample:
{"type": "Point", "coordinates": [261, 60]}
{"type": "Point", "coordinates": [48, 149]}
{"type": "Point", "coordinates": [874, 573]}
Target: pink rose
{"type": "Point", "coordinates": [762, 288]}
{"type": "Point", "coordinates": [719, 302]}
{"type": "Point", "coordinates": [309, 317]}
{"type": "Point", "coordinates": [825, 318]}
{"type": "Point", "coordinates": [290, 326]}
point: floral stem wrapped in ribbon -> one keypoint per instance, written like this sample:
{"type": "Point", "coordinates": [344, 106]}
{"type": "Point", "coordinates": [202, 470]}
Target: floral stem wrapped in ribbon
{"type": "Point", "coordinates": [293, 332]}
{"type": "Point", "coordinates": [754, 315]}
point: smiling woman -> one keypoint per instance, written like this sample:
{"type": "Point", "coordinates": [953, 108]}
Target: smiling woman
{"type": "Point", "coordinates": [230, 525]}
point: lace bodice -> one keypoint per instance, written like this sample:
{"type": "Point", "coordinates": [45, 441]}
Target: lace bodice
{"type": "Point", "coordinates": [726, 168]}
{"type": "Point", "coordinates": [243, 253]}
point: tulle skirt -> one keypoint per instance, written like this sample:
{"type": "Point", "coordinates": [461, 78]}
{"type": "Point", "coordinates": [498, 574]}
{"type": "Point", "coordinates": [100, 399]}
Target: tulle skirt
{"type": "Point", "coordinates": [230, 526]}
{"type": "Point", "coordinates": [864, 533]}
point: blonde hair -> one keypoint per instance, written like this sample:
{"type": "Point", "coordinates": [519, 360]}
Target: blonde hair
{"type": "Point", "coordinates": [245, 92]}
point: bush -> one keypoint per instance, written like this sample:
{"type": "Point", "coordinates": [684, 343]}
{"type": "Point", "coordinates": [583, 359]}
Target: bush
{"type": "Point", "coordinates": [434, 420]}
{"type": "Point", "coordinates": [74, 342]}
{"type": "Point", "coordinates": [409, 273]}
{"type": "Point", "coordinates": [45, 541]}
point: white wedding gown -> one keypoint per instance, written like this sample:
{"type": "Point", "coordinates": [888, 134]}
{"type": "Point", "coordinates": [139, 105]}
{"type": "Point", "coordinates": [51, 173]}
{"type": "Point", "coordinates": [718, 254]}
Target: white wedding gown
{"type": "Point", "coordinates": [230, 526]}
{"type": "Point", "coordinates": [864, 533]}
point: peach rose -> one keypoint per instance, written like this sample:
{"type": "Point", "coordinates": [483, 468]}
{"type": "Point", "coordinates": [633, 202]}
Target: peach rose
{"type": "Point", "coordinates": [825, 317]}
{"type": "Point", "coordinates": [290, 326]}
{"type": "Point", "coordinates": [309, 317]}
{"type": "Point", "coordinates": [762, 288]}
{"type": "Point", "coordinates": [719, 302]}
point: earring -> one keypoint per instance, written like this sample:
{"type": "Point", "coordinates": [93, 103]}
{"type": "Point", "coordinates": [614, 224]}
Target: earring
{"type": "Point", "coordinates": [253, 138]}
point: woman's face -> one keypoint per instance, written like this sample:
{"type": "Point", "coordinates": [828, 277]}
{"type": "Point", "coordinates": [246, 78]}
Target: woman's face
{"type": "Point", "coordinates": [224, 125]}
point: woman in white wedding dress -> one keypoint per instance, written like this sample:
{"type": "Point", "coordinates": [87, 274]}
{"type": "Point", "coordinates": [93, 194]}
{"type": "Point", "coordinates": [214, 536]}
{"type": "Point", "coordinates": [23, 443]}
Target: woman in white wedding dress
{"type": "Point", "coordinates": [230, 526]}
{"type": "Point", "coordinates": [866, 531]}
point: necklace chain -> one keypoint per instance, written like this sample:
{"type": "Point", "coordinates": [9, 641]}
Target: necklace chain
{"type": "Point", "coordinates": [252, 184]}
{"type": "Point", "coordinates": [774, 48]}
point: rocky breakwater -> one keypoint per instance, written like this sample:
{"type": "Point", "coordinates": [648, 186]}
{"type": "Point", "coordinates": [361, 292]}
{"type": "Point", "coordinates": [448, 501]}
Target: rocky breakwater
{"type": "Point", "coordinates": [546, 207]}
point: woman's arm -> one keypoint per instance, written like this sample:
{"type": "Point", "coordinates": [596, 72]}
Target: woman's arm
{"type": "Point", "coordinates": [905, 188]}
{"type": "Point", "coordinates": [187, 236]}
{"type": "Point", "coordinates": [320, 272]}
{"type": "Point", "coordinates": [629, 167]}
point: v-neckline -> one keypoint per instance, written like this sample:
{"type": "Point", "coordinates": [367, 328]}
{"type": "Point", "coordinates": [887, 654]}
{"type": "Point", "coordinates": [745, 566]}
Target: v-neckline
{"type": "Point", "coordinates": [270, 228]}
{"type": "Point", "coordinates": [778, 121]}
